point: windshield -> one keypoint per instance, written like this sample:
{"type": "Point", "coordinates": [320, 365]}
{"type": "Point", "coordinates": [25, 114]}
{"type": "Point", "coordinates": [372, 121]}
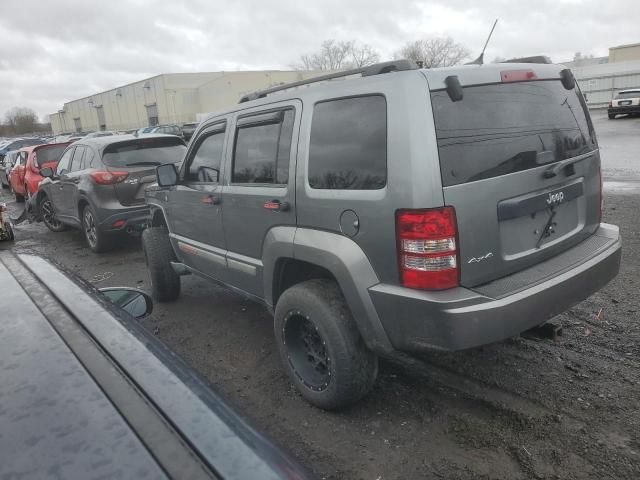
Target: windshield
{"type": "Point", "coordinates": [504, 128]}
{"type": "Point", "coordinates": [634, 94]}
{"type": "Point", "coordinates": [153, 151]}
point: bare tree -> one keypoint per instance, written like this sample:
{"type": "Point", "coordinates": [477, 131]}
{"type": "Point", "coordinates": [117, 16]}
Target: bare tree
{"type": "Point", "coordinates": [363, 55]}
{"type": "Point", "coordinates": [334, 55]}
{"type": "Point", "coordinates": [21, 120]}
{"type": "Point", "coordinates": [434, 52]}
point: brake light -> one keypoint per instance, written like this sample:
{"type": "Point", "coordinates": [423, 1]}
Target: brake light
{"type": "Point", "coordinates": [508, 76]}
{"type": "Point", "coordinates": [610, 104]}
{"type": "Point", "coordinates": [427, 248]}
{"type": "Point", "coordinates": [102, 177]}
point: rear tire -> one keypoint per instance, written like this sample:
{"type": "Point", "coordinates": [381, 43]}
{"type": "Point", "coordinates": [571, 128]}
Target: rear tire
{"type": "Point", "coordinates": [158, 253]}
{"type": "Point", "coordinates": [320, 346]}
{"type": "Point", "coordinates": [612, 116]}
{"type": "Point", "coordinates": [19, 198]}
{"type": "Point", "coordinates": [48, 214]}
{"type": "Point", "coordinates": [96, 239]}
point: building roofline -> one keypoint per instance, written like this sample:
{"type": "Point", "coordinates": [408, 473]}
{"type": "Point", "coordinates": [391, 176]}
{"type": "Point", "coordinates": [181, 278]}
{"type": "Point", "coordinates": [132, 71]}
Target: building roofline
{"type": "Point", "coordinates": [628, 45]}
{"type": "Point", "coordinates": [221, 72]}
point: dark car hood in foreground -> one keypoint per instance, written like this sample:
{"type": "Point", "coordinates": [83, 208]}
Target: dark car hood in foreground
{"type": "Point", "coordinates": [86, 393]}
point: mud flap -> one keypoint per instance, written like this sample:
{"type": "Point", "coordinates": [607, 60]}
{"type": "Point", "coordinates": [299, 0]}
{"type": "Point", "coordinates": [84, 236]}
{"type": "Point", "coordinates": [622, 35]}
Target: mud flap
{"type": "Point", "coordinates": [30, 213]}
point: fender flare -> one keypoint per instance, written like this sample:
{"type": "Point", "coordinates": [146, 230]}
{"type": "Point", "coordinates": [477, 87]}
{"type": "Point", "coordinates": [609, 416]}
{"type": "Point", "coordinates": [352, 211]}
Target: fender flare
{"type": "Point", "coordinates": [345, 260]}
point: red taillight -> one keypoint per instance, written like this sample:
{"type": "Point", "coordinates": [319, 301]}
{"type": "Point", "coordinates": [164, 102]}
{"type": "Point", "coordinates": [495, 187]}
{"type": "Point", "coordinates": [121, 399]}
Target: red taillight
{"type": "Point", "coordinates": [517, 75]}
{"type": "Point", "coordinates": [118, 223]}
{"type": "Point", "coordinates": [427, 248]}
{"type": "Point", "coordinates": [102, 177]}
{"type": "Point", "coordinates": [610, 104]}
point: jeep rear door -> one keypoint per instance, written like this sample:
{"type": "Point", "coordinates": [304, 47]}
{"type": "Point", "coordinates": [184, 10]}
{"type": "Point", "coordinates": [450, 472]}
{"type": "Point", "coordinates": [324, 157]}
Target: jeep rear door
{"type": "Point", "coordinates": [520, 164]}
{"type": "Point", "coordinates": [260, 193]}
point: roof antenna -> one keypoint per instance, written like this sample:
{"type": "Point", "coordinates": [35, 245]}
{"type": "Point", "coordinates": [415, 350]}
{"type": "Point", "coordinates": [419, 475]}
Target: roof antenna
{"type": "Point", "coordinates": [480, 59]}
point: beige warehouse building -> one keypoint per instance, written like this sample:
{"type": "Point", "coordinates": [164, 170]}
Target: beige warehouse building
{"type": "Point", "coordinates": [167, 98]}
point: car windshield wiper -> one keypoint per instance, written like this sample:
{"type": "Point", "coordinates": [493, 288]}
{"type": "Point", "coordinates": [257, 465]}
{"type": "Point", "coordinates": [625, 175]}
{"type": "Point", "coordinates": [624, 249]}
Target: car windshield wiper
{"type": "Point", "coordinates": [138, 164]}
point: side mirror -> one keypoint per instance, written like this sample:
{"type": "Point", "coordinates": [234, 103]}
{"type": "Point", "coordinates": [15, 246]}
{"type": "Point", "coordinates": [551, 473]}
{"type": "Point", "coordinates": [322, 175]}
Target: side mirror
{"type": "Point", "coordinates": [167, 175]}
{"type": "Point", "coordinates": [135, 302]}
{"type": "Point", "coordinates": [46, 172]}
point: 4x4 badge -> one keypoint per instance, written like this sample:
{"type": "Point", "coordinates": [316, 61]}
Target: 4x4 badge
{"type": "Point", "coordinates": [480, 259]}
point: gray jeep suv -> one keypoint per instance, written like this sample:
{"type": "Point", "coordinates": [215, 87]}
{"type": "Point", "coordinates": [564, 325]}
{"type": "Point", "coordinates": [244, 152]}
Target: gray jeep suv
{"type": "Point", "coordinates": [393, 209]}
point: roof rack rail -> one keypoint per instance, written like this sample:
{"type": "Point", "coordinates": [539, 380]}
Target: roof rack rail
{"type": "Point", "coordinates": [534, 59]}
{"type": "Point", "coordinates": [375, 69]}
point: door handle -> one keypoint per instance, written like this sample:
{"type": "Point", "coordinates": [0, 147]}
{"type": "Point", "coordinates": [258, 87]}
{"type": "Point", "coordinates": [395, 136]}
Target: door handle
{"type": "Point", "coordinates": [276, 206]}
{"type": "Point", "coordinates": [210, 200]}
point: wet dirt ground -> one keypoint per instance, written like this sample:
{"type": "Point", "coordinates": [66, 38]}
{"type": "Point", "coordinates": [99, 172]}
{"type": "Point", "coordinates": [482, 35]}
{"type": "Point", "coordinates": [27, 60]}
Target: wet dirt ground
{"type": "Point", "coordinates": [528, 407]}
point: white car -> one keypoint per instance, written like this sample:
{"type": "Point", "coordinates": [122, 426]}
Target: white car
{"type": "Point", "coordinates": [625, 102]}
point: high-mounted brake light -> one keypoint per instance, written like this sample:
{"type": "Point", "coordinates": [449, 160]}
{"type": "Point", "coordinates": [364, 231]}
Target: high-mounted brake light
{"type": "Point", "coordinates": [102, 177]}
{"type": "Point", "coordinates": [508, 76]}
{"type": "Point", "coordinates": [427, 248]}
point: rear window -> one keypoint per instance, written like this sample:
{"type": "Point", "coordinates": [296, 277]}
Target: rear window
{"type": "Point", "coordinates": [48, 154]}
{"type": "Point", "coordinates": [505, 128]}
{"type": "Point", "coordinates": [144, 152]}
{"type": "Point", "coordinates": [627, 95]}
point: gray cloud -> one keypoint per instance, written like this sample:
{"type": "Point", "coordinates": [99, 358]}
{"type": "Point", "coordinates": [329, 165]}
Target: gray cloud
{"type": "Point", "coordinates": [52, 52]}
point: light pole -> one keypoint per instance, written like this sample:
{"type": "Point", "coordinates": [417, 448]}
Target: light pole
{"type": "Point", "coordinates": [118, 96]}
{"type": "Point", "coordinates": [91, 104]}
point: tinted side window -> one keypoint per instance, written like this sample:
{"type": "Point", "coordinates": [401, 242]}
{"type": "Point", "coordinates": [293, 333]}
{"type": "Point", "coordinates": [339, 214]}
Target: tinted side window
{"type": "Point", "coordinates": [348, 145]}
{"type": "Point", "coordinates": [205, 165]}
{"type": "Point", "coordinates": [65, 161]}
{"type": "Point", "coordinates": [262, 149]}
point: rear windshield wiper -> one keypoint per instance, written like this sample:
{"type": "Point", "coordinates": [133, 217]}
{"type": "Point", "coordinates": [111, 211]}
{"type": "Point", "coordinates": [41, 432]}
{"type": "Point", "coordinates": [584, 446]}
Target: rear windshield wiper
{"type": "Point", "coordinates": [140, 164]}
{"type": "Point", "coordinates": [557, 167]}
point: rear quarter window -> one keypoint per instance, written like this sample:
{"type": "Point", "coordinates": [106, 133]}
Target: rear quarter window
{"type": "Point", "coordinates": [348, 144]}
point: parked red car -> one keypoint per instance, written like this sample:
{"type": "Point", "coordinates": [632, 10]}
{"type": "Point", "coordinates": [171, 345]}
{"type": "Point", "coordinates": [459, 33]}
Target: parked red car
{"type": "Point", "coordinates": [25, 174]}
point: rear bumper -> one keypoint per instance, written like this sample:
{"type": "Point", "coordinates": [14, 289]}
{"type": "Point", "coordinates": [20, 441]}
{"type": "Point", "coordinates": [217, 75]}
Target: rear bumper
{"type": "Point", "coordinates": [625, 109]}
{"type": "Point", "coordinates": [460, 318]}
{"type": "Point", "coordinates": [135, 218]}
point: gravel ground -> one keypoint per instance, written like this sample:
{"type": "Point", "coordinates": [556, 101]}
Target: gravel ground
{"type": "Point", "coordinates": [525, 408]}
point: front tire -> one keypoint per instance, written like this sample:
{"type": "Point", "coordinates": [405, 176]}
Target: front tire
{"type": "Point", "coordinates": [320, 346]}
{"type": "Point", "coordinates": [96, 239]}
{"type": "Point", "coordinates": [48, 213]}
{"type": "Point", "coordinates": [158, 253]}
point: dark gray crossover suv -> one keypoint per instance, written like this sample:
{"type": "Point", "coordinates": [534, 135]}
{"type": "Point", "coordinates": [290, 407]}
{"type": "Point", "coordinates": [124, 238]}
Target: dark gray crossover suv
{"type": "Point", "coordinates": [397, 209]}
{"type": "Point", "coordinates": [99, 184]}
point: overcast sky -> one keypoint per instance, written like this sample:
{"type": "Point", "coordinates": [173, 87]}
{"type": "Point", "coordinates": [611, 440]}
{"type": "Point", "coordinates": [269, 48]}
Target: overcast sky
{"type": "Point", "coordinates": [53, 51]}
